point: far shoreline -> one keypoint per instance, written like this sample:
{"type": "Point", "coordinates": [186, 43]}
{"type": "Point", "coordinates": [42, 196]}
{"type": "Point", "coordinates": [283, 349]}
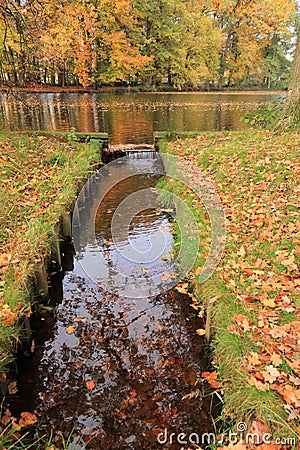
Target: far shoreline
{"type": "Point", "coordinates": [127, 90]}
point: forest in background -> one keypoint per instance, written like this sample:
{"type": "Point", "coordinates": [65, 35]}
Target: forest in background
{"type": "Point", "coordinates": [155, 44]}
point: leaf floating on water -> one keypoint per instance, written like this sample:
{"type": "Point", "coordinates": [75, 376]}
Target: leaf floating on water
{"type": "Point", "coordinates": [144, 270]}
{"type": "Point", "coordinates": [80, 319]}
{"type": "Point", "coordinates": [165, 277]}
{"type": "Point", "coordinates": [200, 331]}
{"type": "Point", "coordinates": [90, 385]}
{"type": "Point", "coordinates": [132, 396]}
{"type": "Point", "coordinates": [70, 329]}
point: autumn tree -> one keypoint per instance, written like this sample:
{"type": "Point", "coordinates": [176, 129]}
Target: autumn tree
{"type": "Point", "coordinates": [290, 116]}
{"type": "Point", "coordinates": [187, 44]}
{"type": "Point", "coordinates": [250, 27]}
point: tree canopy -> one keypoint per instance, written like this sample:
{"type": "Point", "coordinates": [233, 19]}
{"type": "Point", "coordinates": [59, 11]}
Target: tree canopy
{"type": "Point", "coordinates": [187, 44]}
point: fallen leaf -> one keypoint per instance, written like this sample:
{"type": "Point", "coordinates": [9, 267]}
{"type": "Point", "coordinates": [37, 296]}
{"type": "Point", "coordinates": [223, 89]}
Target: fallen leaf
{"type": "Point", "coordinates": [200, 331]}
{"type": "Point", "coordinates": [165, 277]}
{"type": "Point", "coordinates": [12, 388]}
{"type": "Point", "coordinates": [5, 259]}
{"type": "Point", "coordinates": [276, 359]}
{"type": "Point", "coordinates": [7, 417]}
{"type": "Point", "coordinates": [273, 371]}
{"type": "Point", "coordinates": [132, 396]}
{"type": "Point", "coordinates": [8, 317]}
{"type": "Point", "coordinates": [70, 329]}
{"type": "Point", "coordinates": [198, 271]}
{"type": "Point", "coordinates": [254, 359]}
{"type": "Point", "coordinates": [294, 415]}
{"type": "Point", "coordinates": [144, 270]}
{"type": "Point", "coordinates": [27, 418]}
{"type": "Point", "coordinates": [211, 378]}
{"type": "Point", "coordinates": [268, 302]}
{"type": "Point", "coordinates": [258, 384]}
{"type": "Point", "coordinates": [80, 319]}
{"type": "Point", "coordinates": [259, 428]}
{"type": "Point", "coordinates": [90, 385]}
{"type": "Point", "coordinates": [243, 322]}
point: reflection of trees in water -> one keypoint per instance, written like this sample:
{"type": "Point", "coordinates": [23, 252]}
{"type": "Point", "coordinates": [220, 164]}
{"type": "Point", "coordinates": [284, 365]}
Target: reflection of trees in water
{"type": "Point", "coordinates": [129, 118]}
{"type": "Point", "coordinates": [139, 354]}
{"type": "Point", "coordinates": [115, 196]}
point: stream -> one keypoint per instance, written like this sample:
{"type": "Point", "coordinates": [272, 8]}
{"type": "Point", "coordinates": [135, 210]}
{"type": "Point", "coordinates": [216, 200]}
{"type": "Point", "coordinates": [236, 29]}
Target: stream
{"type": "Point", "coordinates": [113, 371]}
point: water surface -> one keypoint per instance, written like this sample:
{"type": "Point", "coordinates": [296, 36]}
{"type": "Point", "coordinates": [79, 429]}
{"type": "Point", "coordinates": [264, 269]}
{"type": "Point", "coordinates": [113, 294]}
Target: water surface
{"type": "Point", "coordinates": [130, 117]}
{"type": "Point", "coordinates": [122, 374]}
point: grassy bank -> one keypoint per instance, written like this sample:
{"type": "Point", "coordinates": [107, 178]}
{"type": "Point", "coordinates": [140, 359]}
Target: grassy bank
{"type": "Point", "coordinates": [254, 293]}
{"type": "Point", "coordinates": [39, 179]}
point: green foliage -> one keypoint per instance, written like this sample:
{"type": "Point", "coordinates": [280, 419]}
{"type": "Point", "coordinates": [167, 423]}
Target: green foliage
{"type": "Point", "coordinates": [177, 43]}
{"type": "Point", "coordinates": [265, 116]}
{"type": "Point", "coordinates": [71, 136]}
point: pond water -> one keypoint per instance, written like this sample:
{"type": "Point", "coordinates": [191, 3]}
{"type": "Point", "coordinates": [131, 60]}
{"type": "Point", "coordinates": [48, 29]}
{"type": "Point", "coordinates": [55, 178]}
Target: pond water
{"type": "Point", "coordinates": [130, 117]}
{"type": "Point", "coordinates": [118, 370]}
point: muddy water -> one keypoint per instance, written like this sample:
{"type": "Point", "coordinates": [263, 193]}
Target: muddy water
{"type": "Point", "coordinates": [119, 377]}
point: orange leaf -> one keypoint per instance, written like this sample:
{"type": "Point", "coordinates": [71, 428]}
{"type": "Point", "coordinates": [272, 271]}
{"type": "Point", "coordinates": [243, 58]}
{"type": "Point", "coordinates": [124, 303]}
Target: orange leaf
{"type": "Point", "coordinates": [132, 396]}
{"type": "Point", "coordinates": [70, 329]}
{"type": "Point", "coordinates": [165, 277]}
{"type": "Point", "coordinates": [27, 418]}
{"type": "Point", "coordinates": [211, 378]}
{"type": "Point", "coordinates": [258, 384]}
{"type": "Point", "coordinates": [90, 385]}
{"type": "Point", "coordinates": [5, 259]}
{"type": "Point", "coordinates": [200, 331]}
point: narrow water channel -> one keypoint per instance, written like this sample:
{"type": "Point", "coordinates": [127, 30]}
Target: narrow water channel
{"type": "Point", "coordinates": [117, 371]}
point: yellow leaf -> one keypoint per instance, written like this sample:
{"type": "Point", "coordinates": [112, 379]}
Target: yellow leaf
{"type": "Point", "coordinates": [80, 319]}
{"type": "Point", "coordinates": [268, 302]}
{"type": "Point", "coordinates": [181, 290]}
{"type": "Point", "coordinates": [198, 271]}
{"type": "Point", "coordinates": [200, 331]}
{"type": "Point", "coordinates": [70, 329]}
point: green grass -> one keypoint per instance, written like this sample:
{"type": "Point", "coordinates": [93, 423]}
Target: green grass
{"type": "Point", "coordinates": [256, 174]}
{"type": "Point", "coordinates": [39, 179]}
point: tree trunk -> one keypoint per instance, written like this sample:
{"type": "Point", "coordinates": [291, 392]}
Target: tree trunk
{"type": "Point", "coordinates": [289, 119]}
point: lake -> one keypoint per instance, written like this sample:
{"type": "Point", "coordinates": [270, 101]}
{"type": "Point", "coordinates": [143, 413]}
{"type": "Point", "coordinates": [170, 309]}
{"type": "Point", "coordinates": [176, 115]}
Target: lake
{"type": "Point", "coordinates": [130, 117]}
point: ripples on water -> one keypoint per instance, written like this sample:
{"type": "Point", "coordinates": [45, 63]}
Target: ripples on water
{"type": "Point", "coordinates": [132, 117]}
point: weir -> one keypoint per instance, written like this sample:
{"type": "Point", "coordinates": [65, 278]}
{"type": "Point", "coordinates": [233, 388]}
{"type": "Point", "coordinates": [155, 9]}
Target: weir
{"type": "Point", "coordinates": [112, 152]}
